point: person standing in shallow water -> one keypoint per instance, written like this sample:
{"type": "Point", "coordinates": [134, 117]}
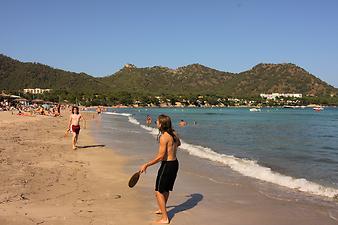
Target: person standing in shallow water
{"type": "Point", "coordinates": [166, 175]}
{"type": "Point", "coordinates": [74, 125]}
{"type": "Point", "coordinates": [148, 120]}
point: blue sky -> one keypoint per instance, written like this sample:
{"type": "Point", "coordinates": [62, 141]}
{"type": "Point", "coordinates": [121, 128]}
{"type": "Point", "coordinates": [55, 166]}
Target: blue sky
{"type": "Point", "coordinates": [99, 37]}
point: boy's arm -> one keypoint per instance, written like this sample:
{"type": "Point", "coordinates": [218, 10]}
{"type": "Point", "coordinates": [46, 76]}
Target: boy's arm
{"type": "Point", "coordinates": [159, 157]}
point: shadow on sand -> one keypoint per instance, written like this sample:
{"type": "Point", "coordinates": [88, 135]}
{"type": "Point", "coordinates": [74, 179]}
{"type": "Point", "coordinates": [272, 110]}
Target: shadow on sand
{"type": "Point", "coordinates": [190, 203]}
{"type": "Point", "coordinates": [91, 146]}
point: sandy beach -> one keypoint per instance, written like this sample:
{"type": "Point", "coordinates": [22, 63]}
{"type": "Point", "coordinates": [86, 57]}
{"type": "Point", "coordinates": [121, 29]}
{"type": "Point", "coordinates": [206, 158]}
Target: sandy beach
{"type": "Point", "coordinates": [43, 181]}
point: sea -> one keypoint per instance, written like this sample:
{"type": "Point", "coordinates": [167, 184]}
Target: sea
{"type": "Point", "coordinates": [293, 148]}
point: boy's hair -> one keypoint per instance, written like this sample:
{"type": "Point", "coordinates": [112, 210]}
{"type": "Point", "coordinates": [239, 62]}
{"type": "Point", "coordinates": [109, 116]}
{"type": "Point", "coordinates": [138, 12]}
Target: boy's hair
{"type": "Point", "coordinates": [75, 107]}
{"type": "Point", "coordinates": [166, 126]}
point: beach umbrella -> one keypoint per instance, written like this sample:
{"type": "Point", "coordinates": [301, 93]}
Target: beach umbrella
{"type": "Point", "coordinates": [21, 100]}
{"type": "Point", "coordinates": [37, 101]}
{"type": "Point", "coordinates": [15, 96]}
{"type": "Point", "coordinates": [4, 95]}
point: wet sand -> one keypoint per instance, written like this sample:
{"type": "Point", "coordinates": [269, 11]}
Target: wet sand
{"type": "Point", "coordinates": [208, 192]}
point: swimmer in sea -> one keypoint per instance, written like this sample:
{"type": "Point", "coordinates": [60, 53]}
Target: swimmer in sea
{"type": "Point", "coordinates": [148, 120]}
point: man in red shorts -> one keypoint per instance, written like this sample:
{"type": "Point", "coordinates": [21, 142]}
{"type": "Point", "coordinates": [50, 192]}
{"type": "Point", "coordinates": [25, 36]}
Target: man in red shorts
{"type": "Point", "coordinates": [74, 124]}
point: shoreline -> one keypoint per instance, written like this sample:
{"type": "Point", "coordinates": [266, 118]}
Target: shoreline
{"type": "Point", "coordinates": [210, 107]}
{"type": "Point", "coordinates": [244, 166]}
{"type": "Point", "coordinates": [215, 189]}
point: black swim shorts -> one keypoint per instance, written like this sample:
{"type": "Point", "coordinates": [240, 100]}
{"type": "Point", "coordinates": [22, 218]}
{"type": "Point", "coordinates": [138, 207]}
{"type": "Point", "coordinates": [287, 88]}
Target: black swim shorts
{"type": "Point", "coordinates": [166, 176]}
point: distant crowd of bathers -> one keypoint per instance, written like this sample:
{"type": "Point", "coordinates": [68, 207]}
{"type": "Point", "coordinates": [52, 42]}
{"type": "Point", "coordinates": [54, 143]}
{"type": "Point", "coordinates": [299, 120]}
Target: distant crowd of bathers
{"type": "Point", "coordinates": [5, 106]}
{"type": "Point", "coordinates": [53, 110]}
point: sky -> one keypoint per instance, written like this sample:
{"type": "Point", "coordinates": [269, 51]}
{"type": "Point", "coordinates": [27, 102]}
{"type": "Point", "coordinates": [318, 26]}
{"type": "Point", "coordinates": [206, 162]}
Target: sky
{"type": "Point", "coordinates": [99, 37]}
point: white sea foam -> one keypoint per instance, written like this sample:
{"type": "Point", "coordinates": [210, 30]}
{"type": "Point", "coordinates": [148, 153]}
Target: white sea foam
{"type": "Point", "coordinates": [151, 130]}
{"type": "Point", "coordinates": [118, 114]}
{"type": "Point", "coordinates": [133, 120]}
{"type": "Point", "coordinates": [130, 118]}
{"type": "Point", "coordinates": [251, 168]}
{"type": "Point", "coordinates": [247, 167]}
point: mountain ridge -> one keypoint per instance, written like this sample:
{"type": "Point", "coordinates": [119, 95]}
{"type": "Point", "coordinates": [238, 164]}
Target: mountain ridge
{"type": "Point", "coordinates": [190, 79]}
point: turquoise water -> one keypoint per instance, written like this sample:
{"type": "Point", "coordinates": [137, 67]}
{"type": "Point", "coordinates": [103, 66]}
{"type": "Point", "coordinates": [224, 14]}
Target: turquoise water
{"type": "Point", "coordinates": [297, 143]}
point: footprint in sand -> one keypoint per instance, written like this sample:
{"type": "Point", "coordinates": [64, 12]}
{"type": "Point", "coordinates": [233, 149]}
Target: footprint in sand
{"type": "Point", "coordinates": [117, 196]}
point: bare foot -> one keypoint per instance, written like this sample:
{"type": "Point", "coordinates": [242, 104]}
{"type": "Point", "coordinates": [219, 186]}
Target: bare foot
{"type": "Point", "coordinates": [162, 221]}
{"type": "Point", "coordinates": [158, 212]}
{"type": "Point", "coordinates": [74, 147]}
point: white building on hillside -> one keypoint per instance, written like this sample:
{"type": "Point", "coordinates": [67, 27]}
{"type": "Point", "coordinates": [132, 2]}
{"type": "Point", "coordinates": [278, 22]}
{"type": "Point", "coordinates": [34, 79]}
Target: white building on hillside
{"type": "Point", "coordinates": [279, 95]}
{"type": "Point", "coordinates": [36, 90]}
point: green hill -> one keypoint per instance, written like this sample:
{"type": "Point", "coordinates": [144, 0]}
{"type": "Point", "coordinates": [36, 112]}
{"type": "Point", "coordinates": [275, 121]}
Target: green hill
{"type": "Point", "coordinates": [191, 79]}
{"type": "Point", "coordinates": [198, 79]}
{"type": "Point", "coordinates": [188, 80]}
{"type": "Point", "coordinates": [15, 75]}
{"type": "Point", "coordinates": [281, 78]}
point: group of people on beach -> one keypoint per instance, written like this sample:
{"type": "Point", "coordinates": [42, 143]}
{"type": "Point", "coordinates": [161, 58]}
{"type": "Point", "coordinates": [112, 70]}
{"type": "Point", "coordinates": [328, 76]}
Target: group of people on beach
{"type": "Point", "coordinates": [168, 143]}
{"type": "Point", "coordinates": [4, 105]}
{"type": "Point", "coordinates": [51, 111]}
{"type": "Point", "coordinates": [34, 110]}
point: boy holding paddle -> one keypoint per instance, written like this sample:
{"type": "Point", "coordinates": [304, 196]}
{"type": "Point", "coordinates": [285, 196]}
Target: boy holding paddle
{"type": "Point", "coordinates": [166, 176]}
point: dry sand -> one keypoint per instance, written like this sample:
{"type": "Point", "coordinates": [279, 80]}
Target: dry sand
{"type": "Point", "coordinates": [43, 181]}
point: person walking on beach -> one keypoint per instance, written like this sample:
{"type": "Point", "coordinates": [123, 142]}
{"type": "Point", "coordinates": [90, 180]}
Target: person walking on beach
{"type": "Point", "coordinates": [98, 110]}
{"type": "Point", "coordinates": [168, 143]}
{"type": "Point", "coordinates": [74, 125]}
